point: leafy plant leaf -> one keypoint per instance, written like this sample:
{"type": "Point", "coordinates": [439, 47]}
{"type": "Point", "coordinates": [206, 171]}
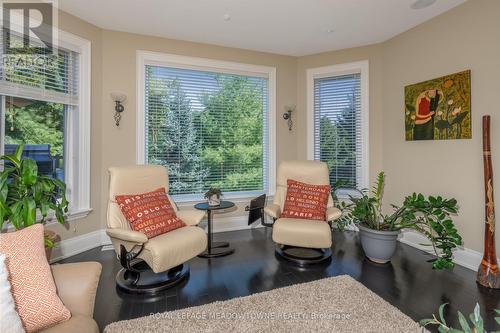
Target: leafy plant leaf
{"type": "Point", "coordinates": [29, 171]}
{"type": "Point", "coordinates": [19, 152]}
{"type": "Point", "coordinates": [29, 211]}
{"type": "Point", "coordinates": [463, 322]}
{"type": "Point", "coordinates": [441, 310]}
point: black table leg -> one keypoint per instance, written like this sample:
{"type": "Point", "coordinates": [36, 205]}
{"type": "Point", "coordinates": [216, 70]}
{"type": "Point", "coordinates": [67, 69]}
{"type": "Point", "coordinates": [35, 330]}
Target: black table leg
{"type": "Point", "coordinates": [214, 248]}
{"type": "Point", "coordinates": [209, 232]}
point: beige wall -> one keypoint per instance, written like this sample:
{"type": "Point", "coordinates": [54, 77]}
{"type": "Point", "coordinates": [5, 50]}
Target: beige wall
{"type": "Point", "coordinates": [467, 37]}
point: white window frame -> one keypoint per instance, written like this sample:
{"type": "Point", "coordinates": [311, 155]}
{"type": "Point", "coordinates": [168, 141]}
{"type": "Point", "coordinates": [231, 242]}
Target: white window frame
{"type": "Point", "coordinates": [361, 67]}
{"type": "Point", "coordinates": [77, 147]}
{"type": "Point", "coordinates": [145, 58]}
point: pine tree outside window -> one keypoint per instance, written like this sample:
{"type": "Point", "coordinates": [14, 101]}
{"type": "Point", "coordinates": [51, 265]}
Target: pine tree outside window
{"type": "Point", "coordinates": [338, 121]}
{"type": "Point", "coordinates": [209, 128]}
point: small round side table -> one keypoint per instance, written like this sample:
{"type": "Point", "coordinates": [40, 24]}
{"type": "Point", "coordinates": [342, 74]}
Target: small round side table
{"type": "Point", "coordinates": [214, 249]}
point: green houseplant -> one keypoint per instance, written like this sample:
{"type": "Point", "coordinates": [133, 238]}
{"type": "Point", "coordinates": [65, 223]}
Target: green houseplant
{"type": "Point", "coordinates": [213, 196]}
{"type": "Point", "coordinates": [24, 193]}
{"type": "Point", "coordinates": [476, 324]}
{"type": "Point", "coordinates": [430, 216]}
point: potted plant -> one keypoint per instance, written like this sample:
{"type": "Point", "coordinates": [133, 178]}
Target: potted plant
{"type": "Point", "coordinates": [24, 193]}
{"type": "Point", "coordinates": [475, 319]}
{"type": "Point", "coordinates": [430, 216]}
{"type": "Point", "coordinates": [213, 196]}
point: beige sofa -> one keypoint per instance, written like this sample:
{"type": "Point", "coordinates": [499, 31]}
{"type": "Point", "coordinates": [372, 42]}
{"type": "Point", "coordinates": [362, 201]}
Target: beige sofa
{"type": "Point", "coordinates": [77, 286]}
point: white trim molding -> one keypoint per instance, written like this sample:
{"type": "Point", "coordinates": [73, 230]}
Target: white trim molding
{"type": "Point", "coordinates": [73, 246]}
{"type": "Point", "coordinates": [79, 159]}
{"type": "Point", "coordinates": [462, 256]}
{"type": "Point", "coordinates": [177, 61]}
{"type": "Point", "coordinates": [361, 67]}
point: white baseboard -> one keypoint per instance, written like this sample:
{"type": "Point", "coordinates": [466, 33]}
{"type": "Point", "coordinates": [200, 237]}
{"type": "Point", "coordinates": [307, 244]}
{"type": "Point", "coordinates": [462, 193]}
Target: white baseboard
{"type": "Point", "coordinates": [72, 246]}
{"type": "Point", "coordinates": [463, 256]}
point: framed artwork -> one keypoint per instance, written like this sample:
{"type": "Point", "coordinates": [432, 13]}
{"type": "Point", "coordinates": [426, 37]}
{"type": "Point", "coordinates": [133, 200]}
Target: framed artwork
{"type": "Point", "coordinates": [439, 109]}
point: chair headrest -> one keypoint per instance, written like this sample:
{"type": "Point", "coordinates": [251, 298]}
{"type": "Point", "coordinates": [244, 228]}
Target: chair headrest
{"type": "Point", "coordinates": [310, 172]}
{"type": "Point", "coordinates": [136, 179]}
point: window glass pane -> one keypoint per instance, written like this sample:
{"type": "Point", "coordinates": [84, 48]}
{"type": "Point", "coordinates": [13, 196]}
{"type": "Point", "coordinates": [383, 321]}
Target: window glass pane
{"type": "Point", "coordinates": [50, 72]}
{"type": "Point", "coordinates": [208, 129]}
{"type": "Point", "coordinates": [41, 127]}
{"type": "Point", "coordinates": [337, 114]}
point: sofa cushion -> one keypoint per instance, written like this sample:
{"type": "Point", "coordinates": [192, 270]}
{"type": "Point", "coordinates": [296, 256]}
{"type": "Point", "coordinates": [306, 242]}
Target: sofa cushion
{"type": "Point", "coordinates": [150, 213]}
{"type": "Point", "coordinates": [76, 324]}
{"type": "Point", "coordinates": [305, 201]}
{"type": "Point", "coordinates": [31, 280]}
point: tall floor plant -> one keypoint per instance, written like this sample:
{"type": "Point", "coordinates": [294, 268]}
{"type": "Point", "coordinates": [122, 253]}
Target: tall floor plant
{"type": "Point", "coordinates": [431, 216]}
{"type": "Point", "coordinates": [24, 193]}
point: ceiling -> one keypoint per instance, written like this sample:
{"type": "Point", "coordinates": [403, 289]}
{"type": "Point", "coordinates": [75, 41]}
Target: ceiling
{"type": "Point", "coordinates": [289, 27]}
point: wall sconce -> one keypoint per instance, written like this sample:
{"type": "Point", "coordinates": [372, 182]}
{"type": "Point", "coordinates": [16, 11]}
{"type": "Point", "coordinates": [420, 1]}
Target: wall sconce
{"type": "Point", "coordinates": [118, 98]}
{"type": "Point", "coordinates": [288, 115]}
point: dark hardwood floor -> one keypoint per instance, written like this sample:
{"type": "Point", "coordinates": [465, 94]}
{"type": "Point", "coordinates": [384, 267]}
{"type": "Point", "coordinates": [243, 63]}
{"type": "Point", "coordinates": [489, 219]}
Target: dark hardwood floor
{"type": "Point", "coordinates": [408, 283]}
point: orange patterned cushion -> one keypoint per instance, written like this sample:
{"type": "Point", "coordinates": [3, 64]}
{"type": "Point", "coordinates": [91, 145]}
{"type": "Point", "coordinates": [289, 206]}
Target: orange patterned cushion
{"type": "Point", "coordinates": [31, 280]}
{"type": "Point", "coordinates": [150, 213]}
{"type": "Point", "coordinates": [305, 201]}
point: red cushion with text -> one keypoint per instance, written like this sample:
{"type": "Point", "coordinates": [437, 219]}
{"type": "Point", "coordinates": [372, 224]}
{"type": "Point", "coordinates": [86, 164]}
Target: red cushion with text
{"type": "Point", "coordinates": [305, 201]}
{"type": "Point", "coordinates": [150, 213]}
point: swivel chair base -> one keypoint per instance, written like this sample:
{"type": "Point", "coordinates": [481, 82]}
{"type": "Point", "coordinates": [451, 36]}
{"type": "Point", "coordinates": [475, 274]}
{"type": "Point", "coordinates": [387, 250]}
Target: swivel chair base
{"type": "Point", "coordinates": [303, 256]}
{"type": "Point", "coordinates": [142, 280]}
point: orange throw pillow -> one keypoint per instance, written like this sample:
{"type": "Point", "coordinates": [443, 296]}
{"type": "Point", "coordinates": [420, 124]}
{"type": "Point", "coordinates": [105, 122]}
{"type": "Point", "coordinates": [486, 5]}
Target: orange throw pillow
{"type": "Point", "coordinates": [305, 201]}
{"type": "Point", "coordinates": [32, 284]}
{"type": "Point", "coordinates": [150, 213]}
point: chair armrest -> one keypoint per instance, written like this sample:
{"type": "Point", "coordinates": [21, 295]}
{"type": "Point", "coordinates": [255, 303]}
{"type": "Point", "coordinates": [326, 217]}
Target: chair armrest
{"type": "Point", "coordinates": [191, 216]}
{"type": "Point", "coordinates": [273, 210]}
{"type": "Point", "coordinates": [333, 213]}
{"type": "Point", "coordinates": [76, 285]}
{"type": "Point", "coordinates": [127, 235]}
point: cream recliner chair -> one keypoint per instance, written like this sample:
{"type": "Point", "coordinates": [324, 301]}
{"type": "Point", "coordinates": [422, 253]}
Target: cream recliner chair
{"type": "Point", "coordinates": [150, 265]}
{"type": "Point", "coordinates": [299, 240]}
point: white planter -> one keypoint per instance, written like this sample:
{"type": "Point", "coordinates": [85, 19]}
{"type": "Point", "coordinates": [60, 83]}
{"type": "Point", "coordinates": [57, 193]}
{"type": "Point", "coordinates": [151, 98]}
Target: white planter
{"type": "Point", "coordinates": [379, 246]}
{"type": "Point", "coordinates": [213, 200]}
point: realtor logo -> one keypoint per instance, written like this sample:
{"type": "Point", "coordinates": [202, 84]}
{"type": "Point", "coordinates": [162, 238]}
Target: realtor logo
{"type": "Point", "coordinates": [28, 27]}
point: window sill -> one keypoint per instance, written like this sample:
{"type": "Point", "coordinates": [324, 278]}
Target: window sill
{"type": "Point", "coordinates": [51, 218]}
{"type": "Point", "coordinates": [238, 199]}
{"type": "Point", "coordinates": [71, 216]}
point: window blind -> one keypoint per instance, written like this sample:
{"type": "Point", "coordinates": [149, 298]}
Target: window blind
{"type": "Point", "coordinates": [50, 78]}
{"type": "Point", "coordinates": [208, 128]}
{"type": "Point", "coordinates": [337, 126]}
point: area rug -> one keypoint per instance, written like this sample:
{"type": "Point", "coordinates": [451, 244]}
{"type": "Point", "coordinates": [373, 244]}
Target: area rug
{"type": "Point", "coordinates": [337, 304]}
